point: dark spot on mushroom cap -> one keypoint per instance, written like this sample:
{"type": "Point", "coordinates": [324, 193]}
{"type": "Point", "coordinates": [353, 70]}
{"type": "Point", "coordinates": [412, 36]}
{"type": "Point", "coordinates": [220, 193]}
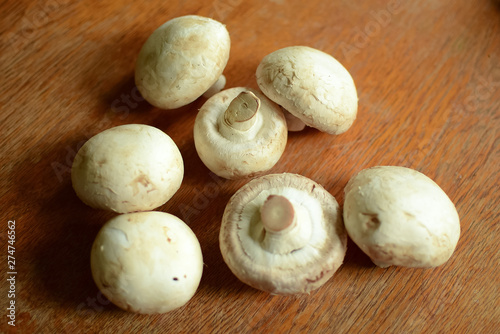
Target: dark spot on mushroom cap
{"type": "Point", "coordinates": [165, 231]}
{"type": "Point", "coordinates": [175, 279]}
{"type": "Point", "coordinates": [374, 221]}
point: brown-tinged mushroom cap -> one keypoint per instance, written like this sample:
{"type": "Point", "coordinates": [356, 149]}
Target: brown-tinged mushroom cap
{"type": "Point", "coordinates": [239, 133]}
{"type": "Point", "coordinates": [283, 233]}
{"type": "Point", "coordinates": [311, 85]}
{"type": "Point", "coordinates": [399, 216]}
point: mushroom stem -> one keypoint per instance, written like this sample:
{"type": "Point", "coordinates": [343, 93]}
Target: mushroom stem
{"type": "Point", "coordinates": [284, 232]}
{"type": "Point", "coordinates": [216, 87]}
{"type": "Point", "coordinates": [293, 123]}
{"type": "Point", "coordinates": [277, 213]}
{"type": "Point", "coordinates": [240, 114]}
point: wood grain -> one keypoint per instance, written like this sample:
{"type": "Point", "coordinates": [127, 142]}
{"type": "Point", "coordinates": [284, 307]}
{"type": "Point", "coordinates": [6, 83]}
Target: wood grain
{"type": "Point", "coordinates": [428, 80]}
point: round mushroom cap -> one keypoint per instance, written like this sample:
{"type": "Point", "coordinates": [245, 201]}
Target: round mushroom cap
{"type": "Point", "coordinates": [311, 85]}
{"type": "Point", "coordinates": [399, 216]}
{"type": "Point", "coordinates": [147, 262]}
{"type": "Point", "coordinates": [240, 156]}
{"type": "Point", "coordinates": [127, 168]}
{"type": "Point", "coordinates": [290, 270]}
{"type": "Point", "coordinates": [181, 60]}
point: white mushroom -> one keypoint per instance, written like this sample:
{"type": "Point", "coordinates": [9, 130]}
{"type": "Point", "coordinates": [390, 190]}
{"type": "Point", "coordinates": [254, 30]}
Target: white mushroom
{"type": "Point", "coordinates": [399, 216]}
{"type": "Point", "coordinates": [311, 85]}
{"type": "Point", "coordinates": [239, 133]}
{"type": "Point", "coordinates": [147, 262]}
{"type": "Point", "coordinates": [283, 233]}
{"type": "Point", "coordinates": [127, 168]}
{"type": "Point", "coordinates": [181, 60]}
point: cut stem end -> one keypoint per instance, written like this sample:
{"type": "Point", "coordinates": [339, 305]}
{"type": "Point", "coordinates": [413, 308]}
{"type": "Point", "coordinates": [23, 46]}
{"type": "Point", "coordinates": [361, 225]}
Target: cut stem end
{"type": "Point", "coordinates": [277, 213]}
{"type": "Point", "coordinates": [240, 113]}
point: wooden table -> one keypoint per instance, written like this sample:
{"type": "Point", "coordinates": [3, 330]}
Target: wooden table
{"type": "Point", "coordinates": [428, 79]}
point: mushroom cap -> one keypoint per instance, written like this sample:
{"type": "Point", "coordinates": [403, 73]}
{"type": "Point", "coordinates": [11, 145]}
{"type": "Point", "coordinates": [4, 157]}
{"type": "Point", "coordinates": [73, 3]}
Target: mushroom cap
{"type": "Point", "coordinates": [399, 216]}
{"type": "Point", "coordinates": [127, 168]}
{"type": "Point", "coordinates": [238, 159]}
{"type": "Point", "coordinates": [181, 60]}
{"type": "Point", "coordinates": [147, 262]}
{"type": "Point", "coordinates": [301, 270]}
{"type": "Point", "coordinates": [311, 85]}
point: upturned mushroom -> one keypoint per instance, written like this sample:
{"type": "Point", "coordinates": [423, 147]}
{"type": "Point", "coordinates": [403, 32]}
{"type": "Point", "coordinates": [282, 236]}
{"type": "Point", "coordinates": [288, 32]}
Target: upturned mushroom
{"type": "Point", "coordinates": [283, 233]}
{"type": "Point", "coordinates": [399, 216]}
{"type": "Point", "coordinates": [181, 60]}
{"type": "Point", "coordinates": [147, 262]}
{"type": "Point", "coordinates": [239, 133]}
{"type": "Point", "coordinates": [127, 168]}
{"type": "Point", "coordinates": [312, 86]}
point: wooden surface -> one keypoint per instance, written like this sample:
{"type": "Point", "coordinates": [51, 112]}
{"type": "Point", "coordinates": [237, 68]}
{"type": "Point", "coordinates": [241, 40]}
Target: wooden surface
{"type": "Point", "coordinates": [428, 79]}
